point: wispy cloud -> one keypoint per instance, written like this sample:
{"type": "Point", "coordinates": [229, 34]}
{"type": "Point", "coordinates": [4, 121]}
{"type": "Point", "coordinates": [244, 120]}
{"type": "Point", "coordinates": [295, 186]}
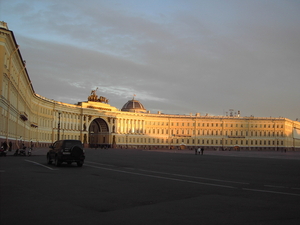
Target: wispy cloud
{"type": "Point", "coordinates": [176, 56]}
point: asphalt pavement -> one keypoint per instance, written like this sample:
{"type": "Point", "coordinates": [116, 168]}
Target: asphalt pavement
{"type": "Point", "coordinates": [117, 186]}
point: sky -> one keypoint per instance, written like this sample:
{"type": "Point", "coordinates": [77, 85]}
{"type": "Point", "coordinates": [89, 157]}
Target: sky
{"type": "Point", "coordinates": [175, 56]}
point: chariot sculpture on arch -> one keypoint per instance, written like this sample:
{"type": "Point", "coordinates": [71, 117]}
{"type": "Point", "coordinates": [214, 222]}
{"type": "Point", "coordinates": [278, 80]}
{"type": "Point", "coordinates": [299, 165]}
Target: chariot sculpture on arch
{"type": "Point", "coordinates": [94, 97]}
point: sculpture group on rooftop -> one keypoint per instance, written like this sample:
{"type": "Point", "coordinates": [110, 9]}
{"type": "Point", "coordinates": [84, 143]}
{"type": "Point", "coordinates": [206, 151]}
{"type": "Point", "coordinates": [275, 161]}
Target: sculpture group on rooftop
{"type": "Point", "coordinates": [94, 97]}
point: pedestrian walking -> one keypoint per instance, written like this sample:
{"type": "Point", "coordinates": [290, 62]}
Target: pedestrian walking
{"type": "Point", "coordinates": [199, 150]}
{"type": "Point", "coordinates": [4, 145]}
{"type": "Point", "coordinates": [9, 146]}
{"type": "Point", "coordinates": [202, 150]}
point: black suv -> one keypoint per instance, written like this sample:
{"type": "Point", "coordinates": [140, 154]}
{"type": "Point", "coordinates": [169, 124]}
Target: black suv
{"type": "Point", "coordinates": [66, 151]}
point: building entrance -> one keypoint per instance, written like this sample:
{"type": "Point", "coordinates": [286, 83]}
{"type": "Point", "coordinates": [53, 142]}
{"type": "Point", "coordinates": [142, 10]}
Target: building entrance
{"type": "Point", "coordinates": [99, 134]}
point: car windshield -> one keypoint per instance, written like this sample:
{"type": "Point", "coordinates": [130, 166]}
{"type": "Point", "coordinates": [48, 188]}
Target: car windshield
{"type": "Point", "coordinates": [70, 144]}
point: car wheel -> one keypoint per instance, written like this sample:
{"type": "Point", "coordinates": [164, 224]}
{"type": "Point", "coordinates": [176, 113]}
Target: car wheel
{"type": "Point", "coordinates": [49, 161]}
{"type": "Point", "coordinates": [57, 161]}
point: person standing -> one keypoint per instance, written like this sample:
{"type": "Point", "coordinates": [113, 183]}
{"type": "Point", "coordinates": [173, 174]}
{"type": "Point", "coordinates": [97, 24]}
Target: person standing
{"type": "Point", "coordinates": [202, 150]}
{"type": "Point", "coordinates": [4, 145]}
{"type": "Point", "coordinates": [9, 146]}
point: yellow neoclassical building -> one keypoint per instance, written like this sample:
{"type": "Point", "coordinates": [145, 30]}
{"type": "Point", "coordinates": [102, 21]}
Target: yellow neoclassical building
{"type": "Point", "coordinates": [28, 117]}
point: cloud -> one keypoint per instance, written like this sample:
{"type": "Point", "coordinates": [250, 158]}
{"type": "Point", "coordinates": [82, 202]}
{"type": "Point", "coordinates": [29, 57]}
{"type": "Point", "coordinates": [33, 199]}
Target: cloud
{"type": "Point", "coordinates": [176, 56]}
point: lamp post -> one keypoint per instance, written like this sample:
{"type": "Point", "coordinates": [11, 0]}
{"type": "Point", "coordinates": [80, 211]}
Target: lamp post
{"type": "Point", "coordinates": [127, 141]}
{"type": "Point", "coordinates": [58, 126]}
{"type": "Point", "coordinates": [195, 131]}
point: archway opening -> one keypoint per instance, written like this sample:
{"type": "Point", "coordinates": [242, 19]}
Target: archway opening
{"type": "Point", "coordinates": [99, 134]}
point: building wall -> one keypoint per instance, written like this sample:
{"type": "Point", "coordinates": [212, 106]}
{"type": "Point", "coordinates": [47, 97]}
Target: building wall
{"type": "Point", "coordinates": [26, 116]}
{"type": "Point", "coordinates": [212, 132]}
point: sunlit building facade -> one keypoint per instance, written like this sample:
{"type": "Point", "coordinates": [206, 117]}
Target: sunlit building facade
{"type": "Point", "coordinates": [28, 117]}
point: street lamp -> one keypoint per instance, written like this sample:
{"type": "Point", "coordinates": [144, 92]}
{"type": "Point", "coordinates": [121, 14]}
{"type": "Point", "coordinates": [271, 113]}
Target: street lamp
{"type": "Point", "coordinates": [58, 126]}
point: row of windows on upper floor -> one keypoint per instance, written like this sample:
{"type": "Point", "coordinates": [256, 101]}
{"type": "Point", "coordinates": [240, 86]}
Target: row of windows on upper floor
{"type": "Point", "coordinates": [268, 125]}
{"type": "Point", "coordinates": [199, 141]}
{"type": "Point", "coordinates": [207, 132]}
{"type": "Point", "coordinates": [216, 132]}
